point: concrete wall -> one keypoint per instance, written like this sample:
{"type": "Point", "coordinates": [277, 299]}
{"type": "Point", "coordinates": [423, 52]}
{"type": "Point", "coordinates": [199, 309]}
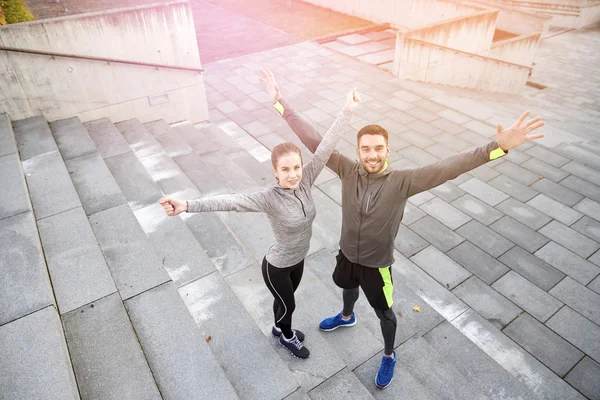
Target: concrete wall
{"type": "Point", "coordinates": [472, 34]}
{"type": "Point", "coordinates": [565, 13]}
{"type": "Point", "coordinates": [425, 62]}
{"type": "Point", "coordinates": [520, 50]}
{"type": "Point", "coordinates": [517, 21]}
{"type": "Point", "coordinates": [405, 13]}
{"type": "Point", "coordinates": [64, 87]}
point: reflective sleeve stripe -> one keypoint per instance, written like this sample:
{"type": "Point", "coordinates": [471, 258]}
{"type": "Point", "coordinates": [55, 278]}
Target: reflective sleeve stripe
{"type": "Point", "coordinates": [278, 107]}
{"type": "Point", "coordinates": [496, 153]}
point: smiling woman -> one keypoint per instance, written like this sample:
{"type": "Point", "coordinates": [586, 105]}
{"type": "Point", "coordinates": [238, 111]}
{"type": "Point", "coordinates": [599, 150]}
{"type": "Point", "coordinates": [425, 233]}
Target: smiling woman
{"type": "Point", "coordinates": [14, 11]}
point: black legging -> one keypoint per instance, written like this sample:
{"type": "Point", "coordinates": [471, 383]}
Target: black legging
{"type": "Point", "coordinates": [283, 282]}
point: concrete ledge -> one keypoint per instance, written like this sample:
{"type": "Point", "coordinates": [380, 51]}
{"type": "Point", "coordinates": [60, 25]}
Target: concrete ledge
{"type": "Point", "coordinates": [7, 138]}
{"type": "Point", "coordinates": [14, 197]}
{"type": "Point", "coordinates": [72, 138]}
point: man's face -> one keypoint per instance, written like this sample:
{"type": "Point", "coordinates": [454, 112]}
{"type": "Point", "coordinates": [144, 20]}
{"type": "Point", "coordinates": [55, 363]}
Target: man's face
{"type": "Point", "coordinates": [372, 152]}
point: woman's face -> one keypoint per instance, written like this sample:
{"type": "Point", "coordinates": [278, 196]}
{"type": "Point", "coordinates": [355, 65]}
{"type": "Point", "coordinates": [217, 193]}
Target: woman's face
{"type": "Point", "coordinates": [289, 170]}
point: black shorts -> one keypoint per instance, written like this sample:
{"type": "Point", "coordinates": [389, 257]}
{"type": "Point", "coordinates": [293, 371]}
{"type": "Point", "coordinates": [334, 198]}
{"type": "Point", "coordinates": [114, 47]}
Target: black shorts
{"type": "Point", "coordinates": [376, 283]}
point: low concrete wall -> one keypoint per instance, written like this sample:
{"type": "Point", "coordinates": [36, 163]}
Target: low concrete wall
{"type": "Point", "coordinates": [589, 15]}
{"type": "Point", "coordinates": [520, 50]}
{"type": "Point", "coordinates": [517, 21]}
{"type": "Point", "coordinates": [565, 13]}
{"type": "Point", "coordinates": [405, 13]}
{"type": "Point", "coordinates": [472, 34]}
{"type": "Point", "coordinates": [63, 87]}
{"type": "Point", "coordinates": [426, 62]}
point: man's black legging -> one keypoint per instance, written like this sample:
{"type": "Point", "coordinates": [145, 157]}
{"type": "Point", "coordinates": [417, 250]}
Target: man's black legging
{"type": "Point", "coordinates": [283, 282]}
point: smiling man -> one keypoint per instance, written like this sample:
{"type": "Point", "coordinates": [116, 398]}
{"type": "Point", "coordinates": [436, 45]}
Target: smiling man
{"type": "Point", "coordinates": [373, 200]}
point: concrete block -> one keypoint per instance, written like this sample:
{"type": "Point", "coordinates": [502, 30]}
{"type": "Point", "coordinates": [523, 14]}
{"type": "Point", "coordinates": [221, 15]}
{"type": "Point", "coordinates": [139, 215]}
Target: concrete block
{"type": "Point", "coordinates": [168, 177]}
{"type": "Point", "coordinates": [26, 286]}
{"type": "Point", "coordinates": [436, 233]}
{"type": "Point", "coordinates": [133, 263]}
{"type": "Point", "coordinates": [523, 213]}
{"type": "Point", "coordinates": [107, 357]}
{"type": "Point", "coordinates": [557, 192]}
{"type": "Point", "coordinates": [478, 262]}
{"type": "Point", "coordinates": [418, 156]}
{"type": "Point", "coordinates": [532, 268]}
{"type": "Point", "coordinates": [14, 197]}
{"type": "Point", "coordinates": [517, 173]}
{"type": "Point", "coordinates": [568, 262]}
{"type": "Point", "coordinates": [448, 126]}
{"type": "Point", "coordinates": [72, 138]}
{"type": "Point", "coordinates": [454, 116]}
{"type": "Point", "coordinates": [256, 371]}
{"type": "Point", "coordinates": [408, 243]}
{"type": "Point", "coordinates": [142, 143]}
{"type": "Point", "coordinates": [411, 214]}
{"type": "Point", "coordinates": [440, 267]}
{"type": "Point", "coordinates": [520, 364]}
{"type": "Point", "coordinates": [445, 213]}
{"type": "Point", "coordinates": [77, 268]}
{"type": "Point", "coordinates": [546, 170]}
{"type": "Point", "coordinates": [582, 187]}
{"type": "Point", "coordinates": [513, 188]}
{"type": "Point", "coordinates": [224, 135]}
{"type": "Point", "coordinates": [33, 137]}
{"type": "Point", "coordinates": [107, 138]}
{"type": "Point", "coordinates": [569, 238]}
{"type": "Point", "coordinates": [585, 377]}
{"type": "Point", "coordinates": [447, 192]}
{"type": "Point", "coordinates": [201, 175]}
{"type": "Point", "coordinates": [546, 155]}
{"type": "Point", "coordinates": [50, 187]}
{"type": "Point", "coordinates": [418, 139]}
{"type": "Point", "coordinates": [180, 358]}
{"type": "Point", "coordinates": [595, 259]}
{"type": "Point", "coordinates": [483, 172]}
{"type": "Point", "coordinates": [196, 139]}
{"type": "Point", "coordinates": [490, 304]}
{"type": "Point", "coordinates": [172, 142]}
{"type": "Point", "coordinates": [477, 209]}
{"type": "Point", "coordinates": [421, 198]}
{"type": "Point", "coordinates": [581, 299]}
{"type": "Point", "coordinates": [545, 345]}
{"type": "Point", "coordinates": [517, 156]}
{"type": "Point", "coordinates": [479, 368]}
{"type": "Point", "coordinates": [520, 234]}
{"type": "Point", "coordinates": [136, 184]}
{"type": "Point", "coordinates": [327, 225]}
{"type": "Point", "coordinates": [7, 138]}
{"type": "Point", "coordinates": [483, 191]}
{"type": "Point", "coordinates": [485, 238]}
{"type": "Point", "coordinates": [343, 384]}
{"type": "Point", "coordinates": [589, 174]}
{"type": "Point", "coordinates": [34, 365]}
{"type": "Point", "coordinates": [554, 209]}
{"type": "Point", "coordinates": [578, 330]}
{"type": "Point", "coordinates": [231, 174]}
{"type": "Point", "coordinates": [527, 296]}
{"type": "Point", "coordinates": [262, 173]}
{"type": "Point", "coordinates": [590, 208]}
{"type": "Point", "coordinates": [95, 185]}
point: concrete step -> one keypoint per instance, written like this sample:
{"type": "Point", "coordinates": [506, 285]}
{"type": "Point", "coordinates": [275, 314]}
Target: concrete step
{"type": "Point", "coordinates": [107, 357]}
{"type": "Point", "coordinates": [249, 361]}
{"type": "Point", "coordinates": [169, 138]}
{"type": "Point", "coordinates": [72, 138]}
{"type": "Point", "coordinates": [107, 138]}
{"type": "Point", "coordinates": [14, 197]}
{"type": "Point", "coordinates": [35, 362]}
{"type": "Point", "coordinates": [196, 139]}
{"type": "Point", "coordinates": [142, 143]}
{"type": "Point", "coordinates": [343, 385]}
{"type": "Point", "coordinates": [180, 358]}
{"type": "Point", "coordinates": [7, 138]}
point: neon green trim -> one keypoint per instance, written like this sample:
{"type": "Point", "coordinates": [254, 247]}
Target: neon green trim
{"type": "Point", "coordinates": [278, 107]}
{"type": "Point", "coordinates": [388, 287]}
{"type": "Point", "coordinates": [496, 153]}
{"type": "Point", "coordinates": [384, 167]}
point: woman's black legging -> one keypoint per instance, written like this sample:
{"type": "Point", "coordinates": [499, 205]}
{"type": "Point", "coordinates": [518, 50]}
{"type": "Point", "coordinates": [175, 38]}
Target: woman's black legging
{"type": "Point", "coordinates": [283, 282]}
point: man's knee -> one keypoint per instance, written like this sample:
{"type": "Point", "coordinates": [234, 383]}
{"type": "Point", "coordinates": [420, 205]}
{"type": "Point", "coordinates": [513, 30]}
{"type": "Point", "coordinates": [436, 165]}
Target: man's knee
{"type": "Point", "coordinates": [387, 315]}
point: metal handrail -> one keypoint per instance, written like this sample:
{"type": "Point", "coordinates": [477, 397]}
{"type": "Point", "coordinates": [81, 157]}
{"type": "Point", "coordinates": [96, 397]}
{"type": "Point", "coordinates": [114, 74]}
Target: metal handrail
{"type": "Point", "coordinates": [108, 60]}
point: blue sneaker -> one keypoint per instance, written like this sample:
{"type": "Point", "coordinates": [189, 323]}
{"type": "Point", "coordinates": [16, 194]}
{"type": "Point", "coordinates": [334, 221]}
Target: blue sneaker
{"type": "Point", "coordinates": [330, 324]}
{"type": "Point", "coordinates": [386, 372]}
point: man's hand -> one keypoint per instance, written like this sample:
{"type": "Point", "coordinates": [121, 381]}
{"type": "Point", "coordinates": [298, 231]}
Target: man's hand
{"type": "Point", "coordinates": [518, 134]}
{"type": "Point", "coordinates": [173, 207]}
{"type": "Point", "coordinates": [352, 100]}
{"type": "Point", "coordinates": [268, 80]}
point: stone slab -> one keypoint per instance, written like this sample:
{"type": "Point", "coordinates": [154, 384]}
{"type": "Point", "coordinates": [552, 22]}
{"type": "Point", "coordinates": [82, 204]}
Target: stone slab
{"type": "Point", "coordinates": [344, 384]}
{"type": "Point", "coordinates": [517, 173]}
{"type": "Point", "coordinates": [532, 268]}
{"type": "Point", "coordinates": [479, 368]}
{"type": "Point", "coordinates": [544, 169]}
{"type": "Point", "coordinates": [520, 364]}
{"type": "Point", "coordinates": [353, 39]}
{"type": "Point", "coordinates": [36, 366]}
{"type": "Point", "coordinates": [557, 192]}
{"type": "Point", "coordinates": [168, 178]}
{"type": "Point", "coordinates": [224, 135]}
{"type": "Point", "coordinates": [483, 191]}
{"type": "Point", "coordinates": [554, 209]}
{"type": "Point", "coordinates": [133, 263]}
{"type": "Point", "coordinates": [441, 267]}
{"type": "Point", "coordinates": [445, 213]}
{"type": "Point", "coordinates": [545, 345]}
{"type": "Point", "coordinates": [578, 330]}
{"type": "Point", "coordinates": [50, 187]}
{"type": "Point", "coordinates": [478, 262]}
{"type": "Point", "coordinates": [72, 138]}
{"type": "Point", "coordinates": [485, 238]}
{"type": "Point", "coordinates": [262, 173]}
{"type": "Point", "coordinates": [568, 262]}
{"type": "Point", "coordinates": [524, 213]}
{"type": "Point", "coordinates": [520, 234]}
{"type": "Point", "coordinates": [570, 239]}
{"type": "Point", "coordinates": [477, 209]}
{"type": "Point", "coordinates": [409, 243]}
{"type": "Point", "coordinates": [182, 362]}
{"type": "Point", "coordinates": [230, 174]}
{"type": "Point", "coordinates": [513, 188]}
{"type": "Point", "coordinates": [582, 187]}
{"type": "Point", "coordinates": [200, 174]}
{"type": "Point", "coordinates": [137, 185]}
{"type": "Point", "coordinates": [436, 233]}
{"type": "Point", "coordinates": [107, 138]}
{"type": "Point", "coordinates": [26, 287]}
{"type": "Point", "coordinates": [581, 299]}
{"type": "Point", "coordinates": [33, 137]}
{"type": "Point", "coordinates": [527, 296]}
{"type": "Point", "coordinates": [585, 377]}
{"type": "Point", "coordinates": [483, 172]}
{"type": "Point", "coordinates": [7, 138]}
{"type": "Point", "coordinates": [546, 155]}
{"type": "Point", "coordinates": [411, 214]}
{"type": "Point", "coordinates": [77, 267]}
{"type": "Point", "coordinates": [95, 185]}
{"type": "Point", "coordinates": [257, 371]}
{"type": "Point", "coordinates": [590, 174]}
{"type": "Point", "coordinates": [172, 142]}
{"type": "Point", "coordinates": [107, 358]}
{"type": "Point", "coordinates": [590, 208]}
{"type": "Point", "coordinates": [141, 142]}
{"type": "Point", "coordinates": [14, 197]}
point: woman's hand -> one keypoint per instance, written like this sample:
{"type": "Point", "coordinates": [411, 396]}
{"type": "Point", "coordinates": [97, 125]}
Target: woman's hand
{"type": "Point", "coordinates": [352, 100]}
{"type": "Point", "coordinates": [173, 207]}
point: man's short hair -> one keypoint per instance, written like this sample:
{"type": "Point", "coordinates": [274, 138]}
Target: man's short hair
{"type": "Point", "coordinates": [372, 130]}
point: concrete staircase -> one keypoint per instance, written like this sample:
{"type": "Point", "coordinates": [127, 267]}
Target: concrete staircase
{"type": "Point", "coordinates": [105, 297]}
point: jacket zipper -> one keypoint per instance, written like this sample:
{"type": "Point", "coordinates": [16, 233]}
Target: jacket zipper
{"type": "Point", "coordinates": [360, 222]}
{"type": "Point", "coordinates": [302, 204]}
{"type": "Point", "coordinates": [368, 201]}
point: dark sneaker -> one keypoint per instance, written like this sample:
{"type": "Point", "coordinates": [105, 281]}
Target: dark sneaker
{"type": "Point", "coordinates": [294, 346]}
{"type": "Point", "coordinates": [386, 372]}
{"type": "Point", "coordinates": [277, 332]}
{"type": "Point", "coordinates": [330, 324]}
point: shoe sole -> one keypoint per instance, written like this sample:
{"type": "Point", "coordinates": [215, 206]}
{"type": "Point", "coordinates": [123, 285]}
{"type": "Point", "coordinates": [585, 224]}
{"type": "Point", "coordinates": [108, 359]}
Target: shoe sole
{"type": "Point", "coordinates": [277, 337]}
{"type": "Point", "coordinates": [382, 387]}
{"type": "Point", "coordinates": [339, 326]}
{"type": "Point", "coordinates": [293, 355]}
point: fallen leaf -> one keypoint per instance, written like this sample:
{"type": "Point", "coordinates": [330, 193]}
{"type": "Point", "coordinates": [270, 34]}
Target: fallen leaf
{"type": "Point", "coordinates": [208, 338]}
{"type": "Point", "coordinates": [541, 177]}
{"type": "Point", "coordinates": [417, 309]}
{"type": "Point", "coordinates": [513, 295]}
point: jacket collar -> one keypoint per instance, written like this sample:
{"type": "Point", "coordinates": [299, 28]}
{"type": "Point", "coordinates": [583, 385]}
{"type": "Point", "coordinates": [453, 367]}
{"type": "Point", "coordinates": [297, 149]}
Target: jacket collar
{"type": "Point", "coordinates": [386, 171]}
